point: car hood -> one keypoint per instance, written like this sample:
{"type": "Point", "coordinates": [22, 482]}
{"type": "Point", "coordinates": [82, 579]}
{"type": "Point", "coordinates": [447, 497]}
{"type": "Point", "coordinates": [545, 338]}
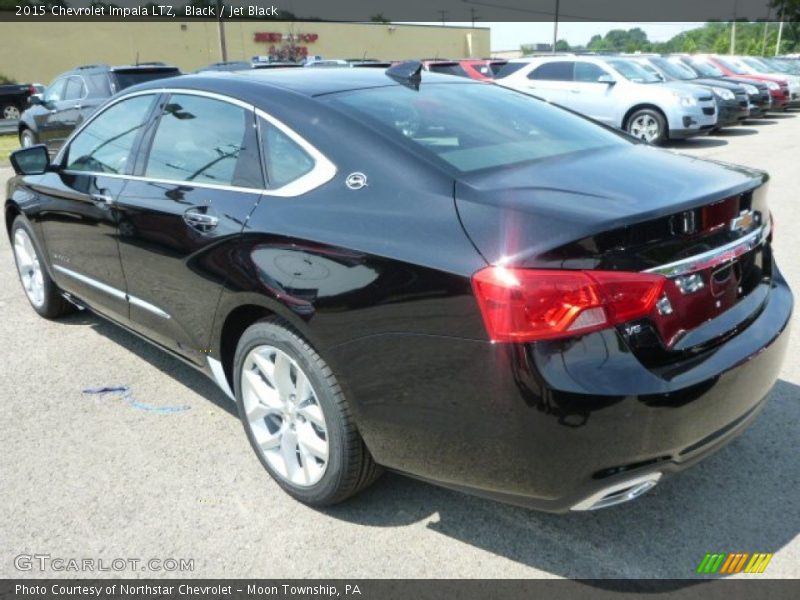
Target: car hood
{"type": "Point", "coordinates": [687, 89]}
{"type": "Point", "coordinates": [525, 211]}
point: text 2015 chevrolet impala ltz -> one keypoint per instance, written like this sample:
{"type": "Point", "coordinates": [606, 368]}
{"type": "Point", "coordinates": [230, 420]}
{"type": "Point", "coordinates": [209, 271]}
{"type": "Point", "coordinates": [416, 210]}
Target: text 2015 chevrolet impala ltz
{"type": "Point", "coordinates": [437, 276]}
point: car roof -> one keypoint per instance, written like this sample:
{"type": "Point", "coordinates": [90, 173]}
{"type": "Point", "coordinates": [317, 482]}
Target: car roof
{"type": "Point", "coordinates": [308, 82]}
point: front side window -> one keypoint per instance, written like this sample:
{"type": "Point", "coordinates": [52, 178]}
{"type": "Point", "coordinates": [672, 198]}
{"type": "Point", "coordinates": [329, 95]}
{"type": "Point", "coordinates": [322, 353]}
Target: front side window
{"type": "Point", "coordinates": [105, 144]}
{"type": "Point", "coordinates": [286, 160]}
{"type": "Point", "coordinates": [55, 91]}
{"type": "Point", "coordinates": [471, 126]}
{"type": "Point", "coordinates": [553, 71]}
{"type": "Point", "coordinates": [205, 140]}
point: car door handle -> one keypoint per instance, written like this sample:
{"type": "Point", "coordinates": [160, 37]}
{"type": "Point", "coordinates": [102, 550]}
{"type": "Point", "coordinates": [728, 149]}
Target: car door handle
{"type": "Point", "coordinates": [102, 199]}
{"type": "Point", "coordinates": [197, 218]}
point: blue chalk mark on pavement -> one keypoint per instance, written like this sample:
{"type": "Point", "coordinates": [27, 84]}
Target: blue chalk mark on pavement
{"type": "Point", "coordinates": [124, 392]}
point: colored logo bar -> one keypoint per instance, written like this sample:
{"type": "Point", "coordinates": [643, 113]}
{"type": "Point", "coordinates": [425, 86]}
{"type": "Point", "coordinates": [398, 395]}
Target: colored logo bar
{"type": "Point", "coordinates": [734, 562]}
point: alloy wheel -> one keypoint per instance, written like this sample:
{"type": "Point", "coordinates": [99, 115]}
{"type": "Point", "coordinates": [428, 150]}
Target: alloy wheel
{"type": "Point", "coordinates": [29, 268]}
{"type": "Point", "coordinates": [645, 127]}
{"type": "Point", "coordinates": [284, 415]}
{"type": "Point", "coordinates": [11, 112]}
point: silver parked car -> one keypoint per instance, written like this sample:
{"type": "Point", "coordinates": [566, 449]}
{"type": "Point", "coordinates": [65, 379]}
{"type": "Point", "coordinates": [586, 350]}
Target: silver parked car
{"type": "Point", "coordinates": [618, 92]}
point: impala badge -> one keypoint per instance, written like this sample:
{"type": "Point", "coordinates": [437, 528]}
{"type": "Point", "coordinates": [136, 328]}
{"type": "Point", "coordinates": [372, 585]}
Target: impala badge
{"type": "Point", "coordinates": [356, 181]}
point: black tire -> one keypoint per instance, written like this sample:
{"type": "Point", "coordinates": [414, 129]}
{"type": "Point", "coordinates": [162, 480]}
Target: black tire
{"type": "Point", "coordinates": [350, 467]}
{"type": "Point", "coordinates": [10, 111]}
{"type": "Point", "coordinates": [27, 138]}
{"type": "Point", "coordinates": [53, 305]}
{"type": "Point", "coordinates": [655, 115]}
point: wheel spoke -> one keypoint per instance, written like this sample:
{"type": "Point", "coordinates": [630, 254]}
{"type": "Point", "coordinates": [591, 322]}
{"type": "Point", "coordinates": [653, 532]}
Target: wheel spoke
{"type": "Point", "coordinates": [265, 394]}
{"type": "Point", "coordinates": [267, 441]}
{"type": "Point", "coordinates": [23, 258]}
{"type": "Point", "coordinates": [302, 387]}
{"type": "Point", "coordinates": [266, 366]}
{"type": "Point", "coordinates": [313, 413]}
{"type": "Point", "coordinates": [312, 443]}
{"type": "Point", "coordinates": [289, 453]}
{"type": "Point", "coordinates": [283, 375]}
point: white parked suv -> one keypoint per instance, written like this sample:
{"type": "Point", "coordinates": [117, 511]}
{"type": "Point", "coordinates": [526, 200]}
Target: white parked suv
{"type": "Point", "coordinates": [617, 92]}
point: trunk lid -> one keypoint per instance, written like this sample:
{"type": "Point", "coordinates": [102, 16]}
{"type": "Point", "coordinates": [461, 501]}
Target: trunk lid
{"type": "Point", "coordinates": [703, 225]}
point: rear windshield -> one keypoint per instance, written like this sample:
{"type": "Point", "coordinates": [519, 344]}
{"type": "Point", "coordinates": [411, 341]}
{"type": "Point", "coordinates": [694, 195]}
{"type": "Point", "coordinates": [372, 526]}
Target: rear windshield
{"type": "Point", "coordinates": [633, 72]}
{"type": "Point", "coordinates": [474, 126]}
{"type": "Point", "coordinates": [705, 68]}
{"type": "Point", "coordinates": [672, 69]}
{"type": "Point", "coordinates": [126, 79]}
{"type": "Point", "coordinates": [733, 66]}
{"type": "Point", "coordinates": [448, 69]}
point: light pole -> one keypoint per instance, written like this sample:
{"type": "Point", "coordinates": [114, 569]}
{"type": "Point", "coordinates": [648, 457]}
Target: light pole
{"type": "Point", "coordinates": [223, 47]}
{"type": "Point", "coordinates": [555, 27]}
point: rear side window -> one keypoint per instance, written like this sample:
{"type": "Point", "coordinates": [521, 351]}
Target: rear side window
{"type": "Point", "coordinates": [509, 68]}
{"type": "Point", "coordinates": [105, 144]}
{"type": "Point", "coordinates": [588, 72]}
{"type": "Point", "coordinates": [75, 89]}
{"type": "Point", "coordinates": [286, 160]}
{"type": "Point", "coordinates": [205, 141]}
{"type": "Point", "coordinates": [553, 71]}
{"type": "Point", "coordinates": [99, 85]}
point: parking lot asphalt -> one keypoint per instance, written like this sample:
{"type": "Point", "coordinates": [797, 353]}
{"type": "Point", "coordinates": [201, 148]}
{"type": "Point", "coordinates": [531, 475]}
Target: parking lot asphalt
{"type": "Point", "coordinates": [95, 477]}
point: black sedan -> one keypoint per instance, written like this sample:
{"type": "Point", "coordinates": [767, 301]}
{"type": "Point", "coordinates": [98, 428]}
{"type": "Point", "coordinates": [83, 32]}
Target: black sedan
{"type": "Point", "coordinates": [422, 273]}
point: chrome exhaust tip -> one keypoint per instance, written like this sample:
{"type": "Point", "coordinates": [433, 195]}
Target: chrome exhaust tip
{"type": "Point", "coordinates": [624, 491]}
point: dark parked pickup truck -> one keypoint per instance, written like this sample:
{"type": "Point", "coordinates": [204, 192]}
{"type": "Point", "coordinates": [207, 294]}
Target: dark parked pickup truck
{"type": "Point", "coordinates": [14, 99]}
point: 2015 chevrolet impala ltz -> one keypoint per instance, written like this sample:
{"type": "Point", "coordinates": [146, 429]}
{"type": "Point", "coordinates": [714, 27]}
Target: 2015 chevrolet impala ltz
{"type": "Point", "coordinates": [423, 273]}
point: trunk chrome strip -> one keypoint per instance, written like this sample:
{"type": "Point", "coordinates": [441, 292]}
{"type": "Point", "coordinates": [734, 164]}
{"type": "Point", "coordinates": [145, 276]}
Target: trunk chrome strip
{"type": "Point", "coordinates": [714, 257]}
{"type": "Point", "coordinates": [112, 291]}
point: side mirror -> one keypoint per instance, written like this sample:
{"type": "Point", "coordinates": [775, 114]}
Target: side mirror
{"type": "Point", "coordinates": [35, 99]}
{"type": "Point", "coordinates": [607, 79]}
{"type": "Point", "coordinates": [33, 160]}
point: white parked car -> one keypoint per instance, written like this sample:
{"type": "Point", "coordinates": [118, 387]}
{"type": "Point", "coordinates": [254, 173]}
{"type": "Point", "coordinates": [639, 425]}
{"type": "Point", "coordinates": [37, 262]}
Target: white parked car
{"type": "Point", "coordinates": [615, 91]}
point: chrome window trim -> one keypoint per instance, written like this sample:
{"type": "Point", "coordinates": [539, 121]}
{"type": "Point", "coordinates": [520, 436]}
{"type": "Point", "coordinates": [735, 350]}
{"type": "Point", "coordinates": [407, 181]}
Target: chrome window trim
{"type": "Point", "coordinates": [112, 291]}
{"type": "Point", "coordinates": [324, 169]}
{"type": "Point", "coordinates": [701, 261]}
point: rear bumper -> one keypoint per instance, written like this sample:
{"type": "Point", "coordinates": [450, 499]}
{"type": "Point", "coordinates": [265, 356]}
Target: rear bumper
{"type": "Point", "coordinates": [549, 425]}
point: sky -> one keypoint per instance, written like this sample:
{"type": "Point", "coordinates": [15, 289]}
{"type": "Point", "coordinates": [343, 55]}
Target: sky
{"type": "Point", "coordinates": [509, 36]}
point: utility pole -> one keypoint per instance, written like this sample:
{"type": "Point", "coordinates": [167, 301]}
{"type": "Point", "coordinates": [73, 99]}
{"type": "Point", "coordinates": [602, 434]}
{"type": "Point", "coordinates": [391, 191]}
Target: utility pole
{"type": "Point", "coordinates": [733, 27]}
{"type": "Point", "coordinates": [223, 46]}
{"type": "Point", "coordinates": [472, 15]}
{"type": "Point", "coordinates": [444, 15]}
{"type": "Point", "coordinates": [766, 29]}
{"type": "Point", "coordinates": [780, 35]}
{"type": "Point", "coordinates": [555, 27]}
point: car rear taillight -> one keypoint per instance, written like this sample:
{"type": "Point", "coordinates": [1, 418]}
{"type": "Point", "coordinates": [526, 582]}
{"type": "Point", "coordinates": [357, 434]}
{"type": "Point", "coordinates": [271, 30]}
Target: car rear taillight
{"type": "Point", "coordinates": [525, 305]}
{"type": "Point", "coordinates": [32, 90]}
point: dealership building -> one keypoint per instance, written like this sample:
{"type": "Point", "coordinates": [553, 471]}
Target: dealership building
{"type": "Point", "coordinates": [37, 51]}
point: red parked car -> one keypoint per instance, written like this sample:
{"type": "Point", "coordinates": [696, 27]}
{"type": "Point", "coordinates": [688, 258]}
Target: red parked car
{"type": "Point", "coordinates": [481, 69]}
{"type": "Point", "coordinates": [778, 86]}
